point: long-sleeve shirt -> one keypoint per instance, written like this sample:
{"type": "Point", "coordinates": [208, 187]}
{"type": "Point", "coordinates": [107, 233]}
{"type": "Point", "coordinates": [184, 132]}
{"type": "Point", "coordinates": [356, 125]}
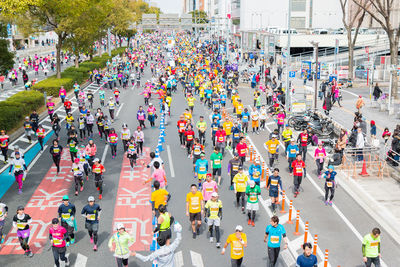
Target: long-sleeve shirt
{"type": "Point", "coordinates": [164, 255]}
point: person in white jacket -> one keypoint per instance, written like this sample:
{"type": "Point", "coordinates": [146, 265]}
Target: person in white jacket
{"type": "Point", "coordinates": [165, 255]}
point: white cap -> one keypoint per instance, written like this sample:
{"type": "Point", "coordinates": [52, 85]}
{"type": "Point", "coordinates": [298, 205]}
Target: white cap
{"type": "Point", "coordinates": [214, 194]}
{"type": "Point", "coordinates": [96, 160]}
{"type": "Point", "coordinates": [91, 198]}
{"type": "Point", "coordinates": [150, 104]}
{"type": "Point", "coordinates": [239, 228]}
{"type": "Point", "coordinates": [120, 226]}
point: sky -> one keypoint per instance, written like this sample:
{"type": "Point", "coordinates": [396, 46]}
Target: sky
{"type": "Point", "coordinates": [169, 6]}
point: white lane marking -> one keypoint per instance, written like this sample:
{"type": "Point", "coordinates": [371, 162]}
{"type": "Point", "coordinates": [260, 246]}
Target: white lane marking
{"type": "Point", "coordinates": [80, 260]}
{"type": "Point", "coordinates": [104, 154]}
{"type": "Point", "coordinates": [197, 259]}
{"type": "Point", "coordinates": [37, 157]}
{"type": "Point", "coordinates": [171, 165]}
{"type": "Point", "coordinates": [119, 110]}
{"type": "Point", "coordinates": [178, 259]}
{"type": "Point", "coordinates": [346, 91]}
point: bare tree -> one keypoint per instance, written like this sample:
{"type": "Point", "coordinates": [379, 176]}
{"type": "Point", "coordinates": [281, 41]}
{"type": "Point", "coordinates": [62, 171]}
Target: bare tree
{"type": "Point", "coordinates": [349, 21]}
{"type": "Point", "coordinates": [381, 11]}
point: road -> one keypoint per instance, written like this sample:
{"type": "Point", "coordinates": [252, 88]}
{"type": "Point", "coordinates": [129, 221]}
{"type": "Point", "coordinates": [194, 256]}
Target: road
{"type": "Point", "coordinates": [339, 228]}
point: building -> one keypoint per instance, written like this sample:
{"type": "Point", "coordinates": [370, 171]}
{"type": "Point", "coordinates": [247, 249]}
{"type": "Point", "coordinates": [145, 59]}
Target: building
{"type": "Point", "coordinates": [191, 5]}
{"type": "Point", "coordinates": [306, 14]}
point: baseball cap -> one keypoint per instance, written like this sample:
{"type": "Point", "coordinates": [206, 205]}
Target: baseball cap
{"type": "Point", "coordinates": [120, 226]}
{"type": "Point", "coordinates": [96, 160]}
{"type": "Point", "coordinates": [20, 208]}
{"type": "Point", "coordinates": [54, 221]}
{"type": "Point", "coordinates": [239, 228]}
{"type": "Point", "coordinates": [65, 197]}
{"type": "Point", "coordinates": [91, 198]}
{"type": "Point", "coordinates": [331, 167]}
{"type": "Point", "coordinates": [214, 194]}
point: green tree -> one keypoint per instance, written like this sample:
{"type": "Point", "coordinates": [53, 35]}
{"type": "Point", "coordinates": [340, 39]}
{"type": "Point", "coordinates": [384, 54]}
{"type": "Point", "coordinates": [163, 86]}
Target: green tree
{"type": "Point", "coordinates": [6, 57]}
{"type": "Point", "coordinates": [199, 17]}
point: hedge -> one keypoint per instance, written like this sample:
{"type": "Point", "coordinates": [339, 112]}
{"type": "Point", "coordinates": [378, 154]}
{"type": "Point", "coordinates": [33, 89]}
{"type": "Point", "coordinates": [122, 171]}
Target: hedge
{"type": "Point", "coordinates": [15, 108]}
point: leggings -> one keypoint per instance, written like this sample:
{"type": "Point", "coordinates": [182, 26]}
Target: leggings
{"type": "Point", "coordinates": [182, 138]}
{"type": "Point", "coordinates": [93, 234]}
{"type": "Point", "coordinates": [139, 147]}
{"type": "Point", "coordinates": [320, 166]}
{"type": "Point", "coordinates": [24, 243]}
{"type": "Point", "coordinates": [141, 124]}
{"type": "Point", "coordinates": [111, 113]}
{"type": "Point", "coordinates": [78, 181]}
{"type": "Point", "coordinates": [125, 144]}
{"type": "Point", "coordinates": [40, 140]}
{"type": "Point", "coordinates": [217, 233]}
{"type": "Point", "coordinates": [101, 131]}
{"type": "Point", "coordinates": [273, 254]}
{"type": "Point", "coordinates": [98, 182]}
{"type": "Point", "coordinates": [82, 133]}
{"type": "Point", "coordinates": [56, 160]}
{"type": "Point", "coordinates": [89, 129]}
{"type": "Point", "coordinates": [303, 152]}
{"type": "Point", "coordinates": [73, 155]}
{"type": "Point", "coordinates": [113, 149]}
{"type": "Point", "coordinates": [236, 262]}
{"type": "Point", "coordinates": [189, 145]}
{"type": "Point", "coordinates": [202, 137]}
{"type": "Point", "coordinates": [59, 254]}
{"type": "Point", "coordinates": [18, 178]}
{"type": "Point", "coordinates": [327, 189]}
{"type": "Point", "coordinates": [56, 129]}
{"type": "Point", "coordinates": [240, 196]}
{"type": "Point", "coordinates": [4, 152]}
{"type": "Point", "coordinates": [262, 124]}
{"type": "Point", "coordinates": [251, 214]}
{"type": "Point", "coordinates": [121, 262]}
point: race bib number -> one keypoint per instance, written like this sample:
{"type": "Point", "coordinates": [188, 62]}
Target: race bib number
{"type": "Point", "coordinates": [57, 241]}
{"type": "Point", "coordinates": [202, 169]}
{"type": "Point", "coordinates": [274, 182]}
{"type": "Point", "coordinates": [56, 150]}
{"type": "Point", "coordinates": [217, 161]}
{"type": "Point", "coordinates": [274, 239]}
{"type": "Point", "coordinates": [21, 225]}
{"type": "Point", "coordinates": [329, 184]}
{"type": "Point", "coordinates": [92, 217]}
{"type": "Point", "coordinates": [65, 216]}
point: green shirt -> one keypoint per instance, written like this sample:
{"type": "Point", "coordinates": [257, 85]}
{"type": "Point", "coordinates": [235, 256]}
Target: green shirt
{"type": "Point", "coordinates": [252, 193]}
{"type": "Point", "coordinates": [371, 246]}
{"type": "Point", "coordinates": [216, 160]}
{"type": "Point", "coordinates": [201, 125]}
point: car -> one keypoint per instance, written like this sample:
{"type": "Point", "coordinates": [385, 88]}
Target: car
{"type": "Point", "coordinates": [320, 31]}
{"type": "Point", "coordinates": [361, 72]}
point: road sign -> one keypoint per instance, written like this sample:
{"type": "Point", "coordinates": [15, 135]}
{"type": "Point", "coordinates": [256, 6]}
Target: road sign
{"type": "Point", "coordinates": [292, 74]}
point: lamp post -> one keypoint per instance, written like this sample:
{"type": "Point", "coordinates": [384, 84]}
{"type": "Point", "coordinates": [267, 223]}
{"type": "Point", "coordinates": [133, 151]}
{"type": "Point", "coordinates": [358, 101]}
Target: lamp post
{"type": "Point", "coordinates": [288, 93]}
{"type": "Point", "coordinates": [315, 44]}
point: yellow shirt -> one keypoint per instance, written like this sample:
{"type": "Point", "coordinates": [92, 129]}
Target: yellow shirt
{"type": "Point", "coordinates": [272, 146]}
{"type": "Point", "coordinates": [227, 127]}
{"type": "Point", "coordinates": [239, 108]}
{"type": "Point", "coordinates": [188, 116]}
{"type": "Point", "coordinates": [240, 180]}
{"type": "Point", "coordinates": [194, 201]}
{"type": "Point", "coordinates": [214, 207]}
{"type": "Point", "coordinates": [159, 197]}
{"type": "Point", "coordinates": [237, 251]}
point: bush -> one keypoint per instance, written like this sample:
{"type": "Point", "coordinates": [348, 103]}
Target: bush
{"type": "Point", "coordinates": [52, 85]}
{"type": "Point", "coordinates": [15, 108]}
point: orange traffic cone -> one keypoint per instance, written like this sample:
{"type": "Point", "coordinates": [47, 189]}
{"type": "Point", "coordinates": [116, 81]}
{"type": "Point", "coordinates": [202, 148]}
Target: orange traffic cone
{"type": "Point", "coordinates": [364, 169]}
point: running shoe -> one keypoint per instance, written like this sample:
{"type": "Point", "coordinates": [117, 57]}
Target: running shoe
{"type": "Point", "coordinates": [194, 236]}
{"type": "Point", "coordinates": [95, 248]}
{"type": "Point", "coordinates": [211, 239]}
{"type": "Point", "coordinates": [100, 196]}
{"type": "Point", "coordinates": [91, 240]}
{"type": "Point", "coordinates": [249, 222]}
{"type": "Point", "coordinates": [218, 245]}
{"type": "Point", "coordinates": [72, 240]}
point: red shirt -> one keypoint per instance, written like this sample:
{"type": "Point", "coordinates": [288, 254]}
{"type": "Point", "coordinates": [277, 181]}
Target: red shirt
{"type": "Point", "coordinates": [67, 104]}
{"type": "Point", "coordinates": [40, 132]}
{"type": "Point", "coordinates": [303, 139]}
{"type": "Point", "coordinates": [181, 126]}
{"type": "Point", "coordinates": [189, 135]}
{"type": "Point", "coordinates": [98, 169]}
{"type": "Point", "coordinates": [220, 135]}
{"type": "Point", "coordinates": [298, 167]}
{"type": "Point", "coordinates": [241, 149]}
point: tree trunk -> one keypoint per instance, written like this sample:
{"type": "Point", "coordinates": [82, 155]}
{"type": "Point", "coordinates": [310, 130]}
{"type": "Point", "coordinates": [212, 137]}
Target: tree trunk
{"type": "Point", "coordinates": [76, 61]}
{"type": "Point", "coordinates": [351, 55]}
{"type": "Point", "coordinates": [58, 57]}
{"type": "Point", "coordinates": [394, 48]}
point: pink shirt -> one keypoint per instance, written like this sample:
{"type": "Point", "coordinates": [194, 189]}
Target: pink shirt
{"type": "Point", "coordinates": [58, 236]}
{"type": "Point", "coordinates": [208, 189]}
{"type": "Point", "coordinates": [159, 175]}
{"type": "Point", "coordinates": [320, 153]}
{"type": "Point", "coordinates": [281, 118]}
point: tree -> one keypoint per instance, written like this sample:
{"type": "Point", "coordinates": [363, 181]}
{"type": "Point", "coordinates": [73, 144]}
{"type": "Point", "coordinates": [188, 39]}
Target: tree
{"type": "Point", "coordinates": [349, 21]}
{"type": "Point", "coordinates": [6, 57]}
{"type": "Point", "coordinates": [199, 17]}
{"type": "Point", "coordinates": [381, 12]}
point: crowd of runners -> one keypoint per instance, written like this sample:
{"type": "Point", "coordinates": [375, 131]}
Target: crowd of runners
{"type": "Point", "coordinates": [205, 78]}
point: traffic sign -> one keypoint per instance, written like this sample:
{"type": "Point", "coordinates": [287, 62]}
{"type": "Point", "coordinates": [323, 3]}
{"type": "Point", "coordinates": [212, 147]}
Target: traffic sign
{"type": "Point", "coordinates": [292, 74]}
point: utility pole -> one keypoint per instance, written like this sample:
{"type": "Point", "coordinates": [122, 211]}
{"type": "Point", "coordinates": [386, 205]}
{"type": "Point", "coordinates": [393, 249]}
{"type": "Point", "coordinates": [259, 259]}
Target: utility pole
{"type": "Point", "coordinates": [315, 44]}
{"type": "Point", "coordinates": [288, 92]}
{"type": "Point", "coordinates": [109, 41]}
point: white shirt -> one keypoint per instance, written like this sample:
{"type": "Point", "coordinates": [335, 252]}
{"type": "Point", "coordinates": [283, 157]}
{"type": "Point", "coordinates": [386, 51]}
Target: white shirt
{"type": "Point", "coordinates": [360, 140]}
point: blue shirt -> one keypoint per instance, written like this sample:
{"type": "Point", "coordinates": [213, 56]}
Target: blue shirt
{"type": "Point", "coordinates": [255, 168]}
{"type": "Point", "coordinates": [235, 133]}
{"type": "Point", "coordinates": [223, 98]}
{"type": "Point", "coordinates": [303, 261]}
{"type": "Point", "coordinates": [216, 116]}
{"type": "Point", "coordinates": [214, 127]}
{"type": "Point", "coordinates": [275, 235]}
{"type": "Point", "coordinates": [331, 176]}
{"type": "Point", "coordinates": [199, 164]}
{"type": "Point", "coordinates": [273, 182]}
{"type": "Point", "coordinates": [292, 151]}
{"type": "Point", "coordinates": [245, 116]}
{"type": "Point", "coordinates": [208, 93]}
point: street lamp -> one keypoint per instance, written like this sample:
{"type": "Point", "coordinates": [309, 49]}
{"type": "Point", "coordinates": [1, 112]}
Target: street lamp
{"type": "Point", "coordinates": [315, 44]}
{"type": "Point", "coordinates": [288, 98]}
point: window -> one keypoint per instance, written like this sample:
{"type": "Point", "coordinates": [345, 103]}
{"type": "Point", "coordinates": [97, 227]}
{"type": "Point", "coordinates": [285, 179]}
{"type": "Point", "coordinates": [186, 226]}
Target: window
{"type": "Point", "coordinates": [298, 22]}
{"type": "Point", "coordinates": [299, 5]}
